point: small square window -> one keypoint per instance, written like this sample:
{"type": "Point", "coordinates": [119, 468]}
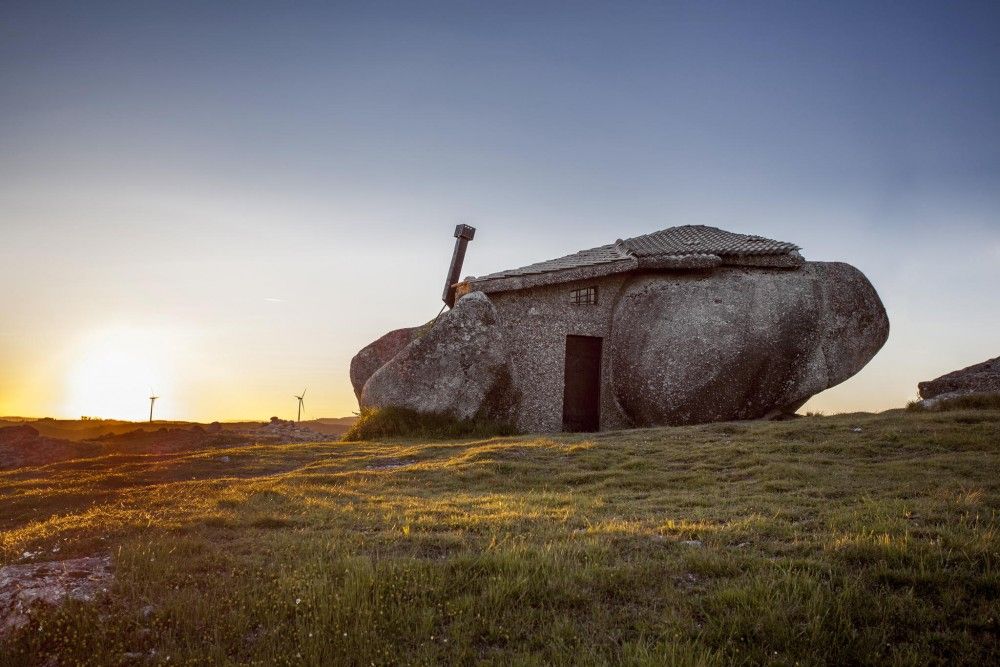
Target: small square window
{"type": "Point", "coordinates": [585, 296]}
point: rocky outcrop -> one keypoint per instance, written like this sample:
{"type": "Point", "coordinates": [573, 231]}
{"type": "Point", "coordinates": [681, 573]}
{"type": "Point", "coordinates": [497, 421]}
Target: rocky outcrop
{"type": "Point", "coordinates": [22, 445]}
{"type": "Point", "coordinates": [377, 354]}
{"type": "Point", "coordinates": [740, 343]}
{"type": "Point", "coordinates": [49, 584]}
{"type": "Point", "coordinates": [458, 367]}
{"type": "Point", "coordinates": [981, 378]}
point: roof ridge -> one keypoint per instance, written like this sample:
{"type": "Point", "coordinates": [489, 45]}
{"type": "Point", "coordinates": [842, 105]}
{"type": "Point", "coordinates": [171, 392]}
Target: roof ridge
{"type": "Point", "coordinates": [622, 248]}
{"type": "Point", "coordinates": [674, 247]}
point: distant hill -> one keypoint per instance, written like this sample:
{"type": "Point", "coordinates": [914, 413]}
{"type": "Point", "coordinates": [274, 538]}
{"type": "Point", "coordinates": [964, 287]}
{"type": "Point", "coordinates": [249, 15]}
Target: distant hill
{"type": "Point", "coordinates": [42, 441]}
{"type": "Point", "coordinates": [330, 425]}
{"type": "Point", "coordinates": [78, 429]}
{"type": "Point", "coordinates": [88, 429]}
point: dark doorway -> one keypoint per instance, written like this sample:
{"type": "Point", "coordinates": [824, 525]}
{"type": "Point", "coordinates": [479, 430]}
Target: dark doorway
{"type": "Point", "coordinates": [582, 384]}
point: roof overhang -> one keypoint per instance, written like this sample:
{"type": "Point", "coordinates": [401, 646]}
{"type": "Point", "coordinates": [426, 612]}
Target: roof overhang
{"type": "Point", "coordinates": [686, 248]}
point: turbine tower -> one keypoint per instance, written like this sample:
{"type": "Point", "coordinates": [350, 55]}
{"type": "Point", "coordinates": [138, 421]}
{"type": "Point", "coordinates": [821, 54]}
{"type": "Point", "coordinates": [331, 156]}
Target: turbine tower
{"type": "Point", "coordinates": [152, 399]}
{"type": "Point", "coordinates": [301, 403]}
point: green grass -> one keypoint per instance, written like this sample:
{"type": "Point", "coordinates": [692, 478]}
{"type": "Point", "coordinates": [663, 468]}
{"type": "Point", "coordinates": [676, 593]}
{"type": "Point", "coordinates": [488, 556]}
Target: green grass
{"type": "Point", "coordinates": [394, 422]}
{"type": "Point", "coordinates": [820, 544]}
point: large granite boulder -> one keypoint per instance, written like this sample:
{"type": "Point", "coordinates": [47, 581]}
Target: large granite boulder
{"type": "Point", "coordinates": [459, 367]}
{"type": "Point", "coordinates": [377, 354]}
{"type": "Point", "coordinates": [981, 378]}
{"type": "Point", "coordinates": [740, 343]}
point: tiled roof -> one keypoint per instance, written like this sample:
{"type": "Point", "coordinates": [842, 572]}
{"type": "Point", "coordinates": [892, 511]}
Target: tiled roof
{"type": "Point", "coordinates": [604, 254]}
{"type": "Point", "coordinates": [666, 248]}
{"type": "Point", "coordinates": [700, 240]}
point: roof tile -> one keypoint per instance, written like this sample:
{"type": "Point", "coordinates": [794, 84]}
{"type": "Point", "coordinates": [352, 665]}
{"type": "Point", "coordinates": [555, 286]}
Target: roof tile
{"type": "Point", "coordinates": [700, 240]}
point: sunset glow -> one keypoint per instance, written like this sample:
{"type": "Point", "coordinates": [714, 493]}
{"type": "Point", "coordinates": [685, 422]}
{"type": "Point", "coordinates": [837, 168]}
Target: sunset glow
{"type": "Point", "coordinates": [114, 371]}
{"type": "Point", "coordinates": [231, 220]}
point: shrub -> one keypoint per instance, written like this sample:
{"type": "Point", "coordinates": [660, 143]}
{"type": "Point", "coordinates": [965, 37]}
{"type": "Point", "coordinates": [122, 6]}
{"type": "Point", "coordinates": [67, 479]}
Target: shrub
{"type": "Point", "coordinates": [393, 422]}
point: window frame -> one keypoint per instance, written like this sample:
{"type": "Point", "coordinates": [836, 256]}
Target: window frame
{"type": "Point", "coordinates": [584, 296]}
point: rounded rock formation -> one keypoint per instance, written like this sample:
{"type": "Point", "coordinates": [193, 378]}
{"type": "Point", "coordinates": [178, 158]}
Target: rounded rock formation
{"type": "Point", "coordinates": [459, 368]}
{"type": "Point", "coordinates": [740, 343]}
{"type": "Point", "coordinates": [982, 378]}
{"type": "Point", "coordinates": [377, 354]}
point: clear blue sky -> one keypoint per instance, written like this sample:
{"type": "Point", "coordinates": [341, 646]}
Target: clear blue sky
{"type": "Point", "coordinates": [253, 191]}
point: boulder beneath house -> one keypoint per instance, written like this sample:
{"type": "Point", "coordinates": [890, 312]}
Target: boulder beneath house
{"type": "Point", "coordinates": [740, 343]}
{"type": "Point", "coordinates": [377, 354]}
{"type": "Point", "coordinates": [983, 378]}
{"type": "Point", "coordinates": [459, 367]}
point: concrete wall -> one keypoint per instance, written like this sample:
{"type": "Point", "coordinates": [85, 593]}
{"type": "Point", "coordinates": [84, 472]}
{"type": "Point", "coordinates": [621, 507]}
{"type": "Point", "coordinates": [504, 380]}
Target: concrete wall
{"type": "Point", "coordinates": [535, 324]}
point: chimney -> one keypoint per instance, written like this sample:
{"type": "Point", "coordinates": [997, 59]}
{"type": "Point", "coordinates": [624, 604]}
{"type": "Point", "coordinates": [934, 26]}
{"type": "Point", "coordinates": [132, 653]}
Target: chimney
{"type": "Point", "coordinates": [463, 234]}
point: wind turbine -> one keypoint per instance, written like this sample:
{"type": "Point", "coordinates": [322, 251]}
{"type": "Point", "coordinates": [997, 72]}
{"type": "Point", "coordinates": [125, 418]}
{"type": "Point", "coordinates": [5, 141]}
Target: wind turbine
{"type": "Point", "coordinates": [301, 403]}
{"type": "Point", "coordinates": [152, 399]}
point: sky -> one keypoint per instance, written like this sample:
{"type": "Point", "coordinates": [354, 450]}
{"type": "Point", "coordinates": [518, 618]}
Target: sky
{"type": "Point", "coordinates": [223, 202]}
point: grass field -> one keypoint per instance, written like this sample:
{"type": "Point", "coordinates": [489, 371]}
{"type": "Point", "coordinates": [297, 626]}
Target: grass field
{"type": "Point", "coordinates": [825, 540]}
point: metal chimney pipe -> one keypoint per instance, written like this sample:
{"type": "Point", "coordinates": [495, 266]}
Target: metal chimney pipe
{"type": "Point", "coordinates": [463, 234]}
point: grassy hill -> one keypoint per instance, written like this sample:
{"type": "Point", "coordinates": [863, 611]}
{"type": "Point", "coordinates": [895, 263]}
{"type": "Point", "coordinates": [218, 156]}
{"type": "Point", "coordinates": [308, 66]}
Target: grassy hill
{"type": "Point", "coordinates": [847, 539]}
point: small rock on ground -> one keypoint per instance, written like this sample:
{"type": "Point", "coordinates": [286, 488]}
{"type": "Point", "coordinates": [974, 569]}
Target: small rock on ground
{"type": "Point", "coordinates": [49, 583]}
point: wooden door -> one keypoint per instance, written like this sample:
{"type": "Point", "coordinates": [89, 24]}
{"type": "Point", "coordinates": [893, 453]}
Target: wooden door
{"type": "Point", "coordinates": [582, 384]}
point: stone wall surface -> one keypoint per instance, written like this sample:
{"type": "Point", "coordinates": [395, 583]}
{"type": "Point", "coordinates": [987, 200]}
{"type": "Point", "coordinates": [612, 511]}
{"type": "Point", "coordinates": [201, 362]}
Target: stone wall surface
{"type": "Point", "coordinates": [458, 367]}
{"type": "Point", "coordinates": [740, 343]}
{"type": "Point", "coordinates": [535, 323]}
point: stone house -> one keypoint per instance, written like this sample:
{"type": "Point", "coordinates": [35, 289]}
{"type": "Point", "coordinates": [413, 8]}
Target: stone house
{"type": "Point", "coordinates": [685, 325]}
{"type": "Point", "coordinates": [558, 316]}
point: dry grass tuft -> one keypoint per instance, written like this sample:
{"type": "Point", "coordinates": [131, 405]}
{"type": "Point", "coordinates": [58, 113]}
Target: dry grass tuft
{"type": "Point", "coordinates": [393, 422]}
